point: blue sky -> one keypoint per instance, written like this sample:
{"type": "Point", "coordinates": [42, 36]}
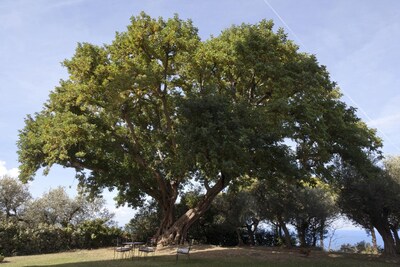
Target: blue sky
{"type": "Point", "coordinates": [356, 40]}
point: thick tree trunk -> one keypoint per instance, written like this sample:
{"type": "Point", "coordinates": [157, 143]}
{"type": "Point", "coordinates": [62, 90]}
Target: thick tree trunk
{"type": "Point", "coordinates": [239, 237]}
{"type": "Point", "coordinates": [388, 241]}
{"type": "Point", "coordinates": [282, 224]}
{"type": "Point", "coordinates": [177, 232]}
{"type": "Point", "coordinates": [301, 234]}
{"type": "Point", "coordinates": [167, 219]}
{"type": "Point", "coordinates": [251, 230]}
{"type": "Point", "coordinates": [166, 201]}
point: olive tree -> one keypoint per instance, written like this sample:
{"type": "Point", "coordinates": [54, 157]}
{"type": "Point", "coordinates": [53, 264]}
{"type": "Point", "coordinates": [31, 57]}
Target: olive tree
{"type": "Point", "coordinates": [369, 197]}
{"type": "Point", "coordinates": [13, 198]}
{"type": "Point", "coordinates": [57, 208]}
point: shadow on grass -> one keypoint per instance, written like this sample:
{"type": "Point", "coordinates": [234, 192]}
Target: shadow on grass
{"type": "Point", "coordinates": [229, 257]}
{"type": "Point", "coordinates": [162, 261]}
{"type": "Point", "coordinates": [170, 261]}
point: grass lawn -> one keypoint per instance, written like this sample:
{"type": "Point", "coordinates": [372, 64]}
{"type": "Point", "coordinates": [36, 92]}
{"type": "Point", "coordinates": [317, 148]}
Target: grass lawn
{"type": "Point", "coordinates": [202, 256]}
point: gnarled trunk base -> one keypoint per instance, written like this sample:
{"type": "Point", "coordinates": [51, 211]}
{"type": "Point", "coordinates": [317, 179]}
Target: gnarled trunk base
{"type": "Point", "coordinates": [177, 232]}
{"type": "Point", "coordinates": [388, 241]}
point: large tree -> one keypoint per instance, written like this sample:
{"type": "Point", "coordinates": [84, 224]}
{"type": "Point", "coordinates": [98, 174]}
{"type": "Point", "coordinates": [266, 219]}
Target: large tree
{"type": "Point", "coordinates": [158, 107]}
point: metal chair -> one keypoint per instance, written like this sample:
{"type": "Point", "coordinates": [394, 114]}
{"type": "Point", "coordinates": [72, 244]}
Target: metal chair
{"type": "Point", "coordinates": [149, 248]}
{"type": "Point", "coordinates": [185, 250]}
{"type": "Point", "coordinates": [122, 250]}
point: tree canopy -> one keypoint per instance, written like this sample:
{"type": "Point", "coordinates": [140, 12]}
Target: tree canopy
{"type": "Point", "coordinates": [159, 107]}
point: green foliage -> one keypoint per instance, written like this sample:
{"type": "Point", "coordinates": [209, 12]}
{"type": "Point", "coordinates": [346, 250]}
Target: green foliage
{"type": "Point", "coordinates": [8, 238]}
{"type": "Point", "coordinates": [145, 222]}
{"type": "Point", "coordinates": [14, 197]}
{"type": "Point", "coordinates": [370, 197]}
{"type": "Point", "coordinates": [314, 210]}
{"type": "Point", "coordinates": [309, 207]}
{"type": "Point", "coordinates": [55, 207]}
{"type": "Point", "coordinates": [236, 208]}
{"type": "Point", "coordinates": [42, 239]}
{"type": "Point", "coordinates": [95, 234]}
{"type": "Point", "coordinates": [361, 247]}
{"type": "Point", "coordinates": [271, 238]}
{"type": "Point", "coordinates": [213, 229]}
{"type": "Point", "coordinates": [52, 223]}
{"type": "Point", "coordinates": [114, 115]}
{"type": "Point", "coordinates": [158, 108]}
{"type": "Point", "coordinates": [365, 197]}
{"type": "Point", "coordinates": [392, 167]}
{"type": "Point", "coordinates": [221, 235]}
{"type": "Point", "coordinates": [20, 239]}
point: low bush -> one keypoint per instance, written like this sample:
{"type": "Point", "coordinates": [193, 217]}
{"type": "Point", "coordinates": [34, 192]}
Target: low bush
{"type": "Point", "coordinates": [20, 239]}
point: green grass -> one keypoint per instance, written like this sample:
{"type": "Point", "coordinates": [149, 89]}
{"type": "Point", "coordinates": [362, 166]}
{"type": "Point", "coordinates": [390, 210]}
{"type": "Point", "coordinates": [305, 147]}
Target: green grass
{"type": "Point", "coordinates": [223, 258]}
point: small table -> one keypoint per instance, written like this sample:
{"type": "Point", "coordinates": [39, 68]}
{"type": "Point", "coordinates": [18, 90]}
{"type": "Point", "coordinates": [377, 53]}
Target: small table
{"type": "Point", "coordinates": [133, 245]}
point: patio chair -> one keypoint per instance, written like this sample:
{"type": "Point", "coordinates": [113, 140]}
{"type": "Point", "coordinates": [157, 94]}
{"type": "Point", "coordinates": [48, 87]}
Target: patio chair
{"type": "Point", "coordinates": [184, 250]}
{"type": "Point", "coordinates": [149, 248]}
{"type": "Point", "coordinates": [120, 249]}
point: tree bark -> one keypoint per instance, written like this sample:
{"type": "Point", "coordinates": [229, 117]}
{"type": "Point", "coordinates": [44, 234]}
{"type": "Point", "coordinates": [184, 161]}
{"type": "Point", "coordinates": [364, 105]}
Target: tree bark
{"type": "Point", "coordinates": [166, 200]}
{"type": "Point", "coordinates": [321, 235]}
{"type": "Point", "coordinates": [373, 240]}
{"type": "Point", "coordinates": [314, 239]}
{"type": "Point", "coordinates": [396, 238]}
{"type": "Point", "coordinates": [250, 234]}
{"type": "Point", "coordinates": [301, 233]}
{"type": "Point", "coordinates": [388, 241]}
{"type": "Point", "coordinates": [167, 219]}
{"type": "Point", "coordinates": [239, 237]}
{"type": "Point", "coordinates": [282, 224]}
{"type": "Point", "coordinates": [277, 230]}
{"type": "Point", "coordinates": [177, 232]}
{"type": "Point", "coordinates": [251, 229]}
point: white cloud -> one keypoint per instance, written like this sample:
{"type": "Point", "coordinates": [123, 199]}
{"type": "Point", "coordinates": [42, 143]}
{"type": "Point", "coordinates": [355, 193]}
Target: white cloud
{"type": "Point", "coordinates": [386, 122]}
{"type": "Point", "coordinates": [14, 172]}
